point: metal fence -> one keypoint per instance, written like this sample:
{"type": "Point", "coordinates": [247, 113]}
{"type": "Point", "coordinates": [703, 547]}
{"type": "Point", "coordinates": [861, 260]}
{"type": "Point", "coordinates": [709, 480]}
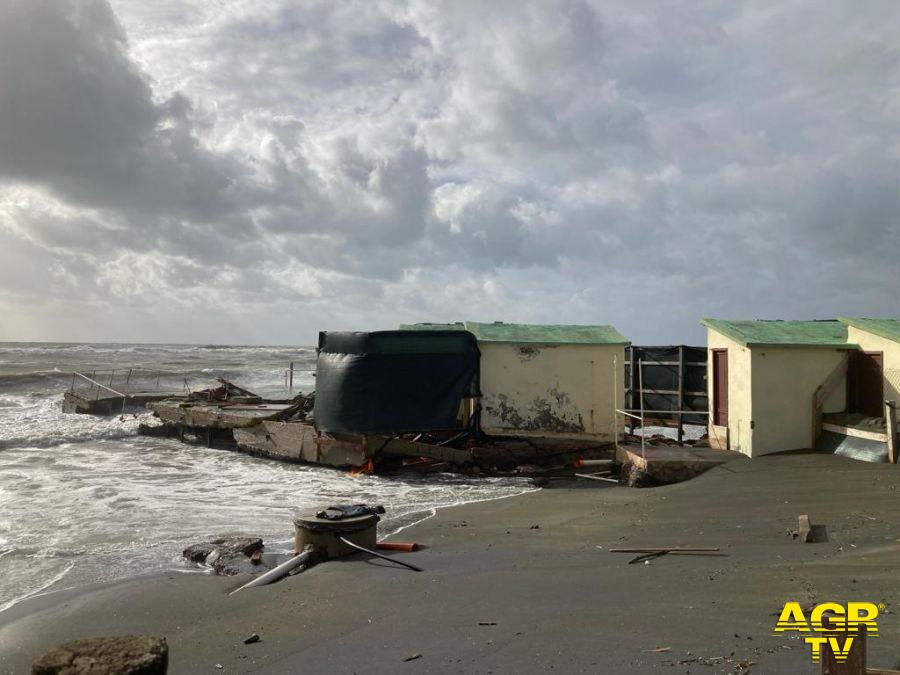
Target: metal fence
{"type": "Point", "coordinates": [667, 385]}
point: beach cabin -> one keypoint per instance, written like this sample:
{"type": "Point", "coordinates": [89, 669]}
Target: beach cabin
{"type": "Point", "coordinates": [770, 382]}
{"type": "Point", "coordinates": [874, 371]}
{"type": "Point", "coordinates": [548, 380]}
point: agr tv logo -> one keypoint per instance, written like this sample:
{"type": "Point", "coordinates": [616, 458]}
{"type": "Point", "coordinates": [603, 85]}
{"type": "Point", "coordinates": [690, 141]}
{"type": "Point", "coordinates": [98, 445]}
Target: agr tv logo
{"type": "Point", "coordinates": [831, 618]}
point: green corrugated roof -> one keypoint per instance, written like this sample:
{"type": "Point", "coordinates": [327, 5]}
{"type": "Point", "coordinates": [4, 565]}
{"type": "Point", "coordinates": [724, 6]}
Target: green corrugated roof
{"type": "Point", "coordinates": [545, 334]}
{"type": "Point", "coordinates": [783, 333]}
{"type": "Point", "coordinates": [886, 328]}
{"type": "Point", "coordinates": [457, 325]}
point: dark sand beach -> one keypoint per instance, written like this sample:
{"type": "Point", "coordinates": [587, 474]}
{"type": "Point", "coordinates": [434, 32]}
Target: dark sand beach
{"type": "Point", "coordinates": [538, 570]}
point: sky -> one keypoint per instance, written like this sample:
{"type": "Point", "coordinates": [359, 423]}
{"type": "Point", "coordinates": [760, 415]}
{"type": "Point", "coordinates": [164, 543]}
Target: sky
{"type": "Point", "coordinates": [254, 172]}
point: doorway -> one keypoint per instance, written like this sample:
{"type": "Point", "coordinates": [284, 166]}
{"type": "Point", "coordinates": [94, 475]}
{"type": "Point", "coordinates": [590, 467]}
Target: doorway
{"type": "Point", "coordinates": [864, 384]}
{"type": "Point", "coordinates": [720, 387]}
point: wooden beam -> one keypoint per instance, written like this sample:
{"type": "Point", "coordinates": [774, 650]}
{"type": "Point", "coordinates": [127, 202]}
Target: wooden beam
{"type": "Point", "coordinates": [856, 433]}
{"type": "Point", "coordinates": [890, 419]}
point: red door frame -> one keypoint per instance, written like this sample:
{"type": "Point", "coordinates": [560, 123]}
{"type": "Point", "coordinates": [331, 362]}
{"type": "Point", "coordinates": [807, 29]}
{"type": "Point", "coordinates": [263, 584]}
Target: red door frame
{"type": "Point", "coordinates": [720, 387]}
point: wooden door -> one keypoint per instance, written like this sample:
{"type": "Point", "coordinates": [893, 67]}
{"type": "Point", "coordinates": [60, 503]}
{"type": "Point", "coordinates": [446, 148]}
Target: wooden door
{"type": "Point", "coordinates": [720, 387]}
{"type": "Point", "coordinates": [864, 384]}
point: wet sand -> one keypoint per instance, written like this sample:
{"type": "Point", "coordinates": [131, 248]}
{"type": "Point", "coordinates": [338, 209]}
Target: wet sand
{"type": "Point", "coordinates": [538, 567]}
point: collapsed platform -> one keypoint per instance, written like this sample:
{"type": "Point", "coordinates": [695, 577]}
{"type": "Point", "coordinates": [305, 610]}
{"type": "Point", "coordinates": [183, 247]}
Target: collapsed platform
{"type": "Point", "coordinates": [673, 464]}
{"type": "Point", "coordinates": [110, 404]}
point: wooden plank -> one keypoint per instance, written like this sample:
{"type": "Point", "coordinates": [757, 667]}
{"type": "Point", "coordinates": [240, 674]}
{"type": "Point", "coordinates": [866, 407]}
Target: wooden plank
{"type": "Point", "coordinates": [856, 433]}
{"type": "Point", "coordinates": [656, 549]}
{"type": "Point", "coordinates": [401, 446]}
{"type": "Point", "coordinates": [890, 418]}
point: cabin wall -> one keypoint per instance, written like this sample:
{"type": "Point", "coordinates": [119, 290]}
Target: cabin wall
{"type": "Point", "coordinates": [890, 350]}
{"type": "Point", "coordinates": [784, 380]}
{"type": "Point", "coordinates": [551, 389]}
{"type": "Point", "coordinates": [739, 431]}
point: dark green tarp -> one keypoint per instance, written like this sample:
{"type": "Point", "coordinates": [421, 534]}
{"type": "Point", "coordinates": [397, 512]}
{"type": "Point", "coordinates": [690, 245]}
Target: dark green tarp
{"type": "Point", "coordinates": [393, 381]}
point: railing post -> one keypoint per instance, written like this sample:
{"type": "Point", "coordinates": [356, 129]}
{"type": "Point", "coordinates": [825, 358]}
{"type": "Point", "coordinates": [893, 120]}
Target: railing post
{"type": "Point", "coordinates": [292, 378]}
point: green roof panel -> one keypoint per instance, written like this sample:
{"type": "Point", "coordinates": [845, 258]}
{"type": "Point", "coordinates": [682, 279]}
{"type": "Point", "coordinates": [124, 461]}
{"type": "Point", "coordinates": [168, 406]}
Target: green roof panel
{"type": "Point", "coordinates": [457, 325]}
{"type": "Point", "coordinates": [545, 334]}
{"type": "Point", "coordinates": [828, 333]}
{"type": "Point", "coordinates": [886, 328]}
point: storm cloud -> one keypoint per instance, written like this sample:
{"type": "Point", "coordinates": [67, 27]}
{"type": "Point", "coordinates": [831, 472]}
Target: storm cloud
{"type": "Point", "coordinates": [254, 172]}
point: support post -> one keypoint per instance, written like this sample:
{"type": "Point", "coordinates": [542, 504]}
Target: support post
{"type": "Point", "coordinates": [855, 663]}
{"type": "Point", "coordinates": [890, 420]}
{"type": "Point", "coordinates": [291, 388]}
{"type": "Point", "coordinates": [641, 394]}
{"type": "Point", "coordinates": [616, 401]}
{"type": "Point", "coordinates": [632, 376]}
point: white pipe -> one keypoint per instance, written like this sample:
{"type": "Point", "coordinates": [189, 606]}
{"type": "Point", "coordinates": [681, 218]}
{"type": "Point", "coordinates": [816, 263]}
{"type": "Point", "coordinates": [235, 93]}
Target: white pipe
{"type": "Point", "coordinates": [278, 572]}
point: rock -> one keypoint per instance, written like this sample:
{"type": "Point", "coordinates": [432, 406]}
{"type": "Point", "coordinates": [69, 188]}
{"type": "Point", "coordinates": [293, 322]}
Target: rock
{"type": "Point", "coordinates": [228, 555]}
{"type": "Point", "coordinates": [809, 533]}
{"type": "Point", "coordinates": [128, 655]}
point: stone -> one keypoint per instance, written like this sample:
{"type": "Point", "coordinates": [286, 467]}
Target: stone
{"type": "Point", "coordinates": [127, 655]}
{"type": "Point", "coordinates": [227, 555]}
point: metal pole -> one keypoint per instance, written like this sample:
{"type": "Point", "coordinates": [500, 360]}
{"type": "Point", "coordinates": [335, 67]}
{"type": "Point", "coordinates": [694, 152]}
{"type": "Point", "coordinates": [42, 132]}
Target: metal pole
{"type": "Point", "coordinates": [292, 378]}
{"type": "Point", "coordinates": [641, 394]}
{"type": "Point", "coordinates": [635, 387]}
{"type": "Point", "coordinates": [616, 403]}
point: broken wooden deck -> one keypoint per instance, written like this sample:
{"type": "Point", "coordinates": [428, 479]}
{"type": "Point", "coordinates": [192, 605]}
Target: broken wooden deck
{"type": "Point", "coordinates": [110, 404]}
{"type": "Point", "coordinates": [215, 415]}
{"type": "Point", "coordinates": [672, 464]}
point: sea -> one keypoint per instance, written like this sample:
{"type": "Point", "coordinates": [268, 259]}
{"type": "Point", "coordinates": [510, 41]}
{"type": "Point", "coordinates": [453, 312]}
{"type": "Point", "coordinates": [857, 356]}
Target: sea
{"type": "Point", "coordinates": [85, 499]}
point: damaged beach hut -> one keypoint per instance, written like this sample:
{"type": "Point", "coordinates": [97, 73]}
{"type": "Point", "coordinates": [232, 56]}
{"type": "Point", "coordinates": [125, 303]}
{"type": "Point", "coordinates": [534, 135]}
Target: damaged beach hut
{"type": "Point", "coordinates": [789, 385]}
{"type": "Point", "coordinates": [380, 394]}
{"type": "Point", "coordinates": [550, 381]}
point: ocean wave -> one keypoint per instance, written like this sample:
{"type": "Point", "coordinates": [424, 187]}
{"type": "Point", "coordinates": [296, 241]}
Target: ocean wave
{"type": "Point", "coordinates": [41, 423]}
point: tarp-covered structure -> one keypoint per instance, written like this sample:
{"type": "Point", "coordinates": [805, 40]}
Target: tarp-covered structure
{"type": "Point", "coordinates": [394, 381]}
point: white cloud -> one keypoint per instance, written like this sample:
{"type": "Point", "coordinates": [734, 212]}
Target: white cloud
{"type": "Point", "coordinates": [176, 170]}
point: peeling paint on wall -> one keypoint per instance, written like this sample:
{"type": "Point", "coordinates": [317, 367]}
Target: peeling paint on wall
{"type": "Point", "coordinates": [543, 414]}
{"type": "Point", "coordinates": [536, 389]}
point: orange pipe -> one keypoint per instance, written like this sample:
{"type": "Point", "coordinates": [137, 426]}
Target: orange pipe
{"type": "Point", "coordinates": [397, 546]}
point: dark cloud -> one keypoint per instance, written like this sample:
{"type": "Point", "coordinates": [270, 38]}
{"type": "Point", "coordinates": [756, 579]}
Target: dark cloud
{"type": "Point", "coordinates": [262, 171]}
